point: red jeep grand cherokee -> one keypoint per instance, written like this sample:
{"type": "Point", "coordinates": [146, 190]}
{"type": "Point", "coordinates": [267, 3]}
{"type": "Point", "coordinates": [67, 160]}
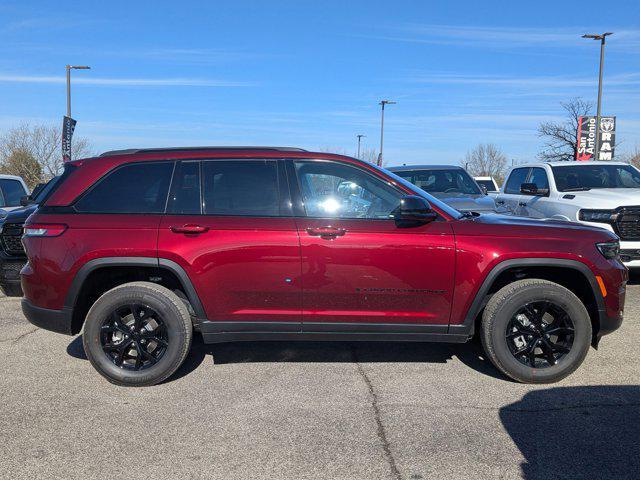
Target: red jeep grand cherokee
{"type": "Point", "coordinates": [142, 247]}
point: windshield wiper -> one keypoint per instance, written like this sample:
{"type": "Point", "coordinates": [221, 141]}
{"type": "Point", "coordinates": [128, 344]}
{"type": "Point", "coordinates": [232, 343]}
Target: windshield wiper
{"type": "Point", "coordinates": [577, 189]}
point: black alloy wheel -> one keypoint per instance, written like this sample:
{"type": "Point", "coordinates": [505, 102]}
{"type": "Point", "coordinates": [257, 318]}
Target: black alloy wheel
{"type": "Point", "coordinates": [540, 334]}
{"type": "Point", "coordinates": [134, 337]}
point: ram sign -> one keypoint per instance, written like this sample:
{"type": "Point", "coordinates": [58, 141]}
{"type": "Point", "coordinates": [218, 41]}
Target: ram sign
{"type": "Point", "coordinates": [586, 138]}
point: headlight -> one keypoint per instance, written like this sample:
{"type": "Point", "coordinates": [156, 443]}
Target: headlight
{"type": "Point", "coordinates": [609, 249]}
{"type": "Point", "coordinates": [600, 216]}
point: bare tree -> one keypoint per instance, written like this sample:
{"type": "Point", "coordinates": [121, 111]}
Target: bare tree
{"type": "Point", "coordinates": [369, 155]}
{"type": "Point", "coordinates": [486, 160]}
{"type": "Point", "coordinates": [42, 142]}
{"type": "Point", "coordinates": [560, 139]}
{"type": "Point", "coordinates": [23, 164]}
{"type": "Point", "coordinates": [632, 157]}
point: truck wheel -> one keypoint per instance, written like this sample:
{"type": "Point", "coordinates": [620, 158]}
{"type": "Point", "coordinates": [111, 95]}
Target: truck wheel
{"type": "Point", "coordinates": [137, 334]}
{"type": "Point", "coordinates": [536, 331]}
{"type": "Point", "coordinates": [12, 290]}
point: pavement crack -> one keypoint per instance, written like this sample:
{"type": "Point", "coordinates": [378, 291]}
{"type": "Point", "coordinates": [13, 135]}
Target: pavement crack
{"type": "Point", "coordinates": [19, 337]}
{"type": "Point", "coordinates": [381, 432]}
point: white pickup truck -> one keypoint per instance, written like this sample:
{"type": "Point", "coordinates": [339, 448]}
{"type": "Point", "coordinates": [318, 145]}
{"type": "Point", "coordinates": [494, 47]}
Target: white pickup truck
{"type": "Point", "coordinates": [602, 194]}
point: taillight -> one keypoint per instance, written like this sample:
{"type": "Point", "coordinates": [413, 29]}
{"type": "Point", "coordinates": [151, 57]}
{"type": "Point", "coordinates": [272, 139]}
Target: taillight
{"type": "Point", "coordinates": [44, 230]}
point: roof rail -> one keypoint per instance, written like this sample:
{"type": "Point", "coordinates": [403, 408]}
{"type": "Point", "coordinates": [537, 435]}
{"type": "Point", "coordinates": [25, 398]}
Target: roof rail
{"type": "Point", "coordinates": [131, 151]}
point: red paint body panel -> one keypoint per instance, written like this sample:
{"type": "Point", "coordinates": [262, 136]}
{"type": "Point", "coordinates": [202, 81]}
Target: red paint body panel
{"type": "Point", "coordinates": [377, 272]}
{"type": "Point", "coordinates": [243, 269]}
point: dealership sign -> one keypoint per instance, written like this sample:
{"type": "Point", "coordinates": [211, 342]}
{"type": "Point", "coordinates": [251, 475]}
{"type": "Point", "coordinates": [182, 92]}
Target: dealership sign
{"type": "Point", "coordinates": [68, 126]}
{"type": "Point", "coordinates": [586, 138]}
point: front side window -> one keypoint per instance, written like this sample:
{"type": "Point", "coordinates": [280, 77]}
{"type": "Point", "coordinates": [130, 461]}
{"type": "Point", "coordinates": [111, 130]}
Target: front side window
{"type": "Point", "coordinates": [12, 191]}
{"type": "Point", "coordinates": [335, 190]}
{"type": "Point", "coordinates": [438, 181]}
{"type": "Point", "coordinates": [134, 188]}
{"type": "Point", "coordinates": [240, 187]}
{"type": "Point", "coordinates": [539, 178]}
{"type": "Point", "coordinates": [517, 178]}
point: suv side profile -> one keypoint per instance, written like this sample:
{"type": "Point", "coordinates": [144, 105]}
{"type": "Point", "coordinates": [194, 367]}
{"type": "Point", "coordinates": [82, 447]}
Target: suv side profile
{"type": "Point", "coordinates": [138, 249]}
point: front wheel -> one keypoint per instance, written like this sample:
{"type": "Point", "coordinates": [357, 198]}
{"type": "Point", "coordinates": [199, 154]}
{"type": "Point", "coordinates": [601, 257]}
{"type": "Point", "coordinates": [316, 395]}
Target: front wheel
{"type": "Point", "coordinates": [536, 331]}
{"type": "Point", "coordinates": [137, 334]}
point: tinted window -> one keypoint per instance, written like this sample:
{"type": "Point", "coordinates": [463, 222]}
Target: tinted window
{"type": "Point", "coordinates": [11, 191]}
{"type": "Point", "coordinates": [332, 189]}
{"type": "Point", "coordinates": [586, 177]}
{"type": "Point", "coordinates": [240, 187]}
{"type": "Point", "coordinates": [45, 190]}
{"type": "Point", "coordinates": [136, 188]}
{"type": "Point", "coordinates": [517, 178]}
{"type": "Point", "coordinates": [185, 189]}
{"type": "Point", "coordinates": [488, 184]}
{"type": "Point", "coordinates": [539, 177]}
{"type": "Point", "coordinates": [441, 181]}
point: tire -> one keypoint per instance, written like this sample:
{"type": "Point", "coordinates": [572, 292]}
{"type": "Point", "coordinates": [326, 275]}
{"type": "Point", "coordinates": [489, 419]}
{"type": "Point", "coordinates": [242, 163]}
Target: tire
{"type": "Point", "coordinates": [12, 290]}
{"type": "Point", "coordinates": [504, 308]}
{"type": "Point", "coordinates": [104, 338]}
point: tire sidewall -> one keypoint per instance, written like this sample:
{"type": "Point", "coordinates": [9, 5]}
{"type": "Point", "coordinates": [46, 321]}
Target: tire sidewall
{"type": "Point", "coordinates": [176, 333]}
{"type": "Point", "coordinates": [562, 298]}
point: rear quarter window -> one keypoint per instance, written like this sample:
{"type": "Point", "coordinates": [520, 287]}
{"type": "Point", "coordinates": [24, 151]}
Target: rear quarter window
{"type": "Point", "coordinates": [133, 188]}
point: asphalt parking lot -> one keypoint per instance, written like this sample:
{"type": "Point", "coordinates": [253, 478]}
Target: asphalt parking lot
{"type": "Point", "coordinates": [316, 410]}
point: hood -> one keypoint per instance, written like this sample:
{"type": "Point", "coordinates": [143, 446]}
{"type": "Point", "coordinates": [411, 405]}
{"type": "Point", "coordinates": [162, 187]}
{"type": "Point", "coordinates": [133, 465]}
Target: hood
{"type": "Point", "coordinates": [605, 198]}
{"type": "Point", "coordinates": [19, 215]}
{"type": "Point", "coordinates": [465, 202]}
{"type": "Point", "coordinates": [532, 227]}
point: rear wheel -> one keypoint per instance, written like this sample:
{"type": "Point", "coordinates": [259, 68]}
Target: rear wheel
{"type": "Point", "coordinates": [536, 331]}
{"type": "Point", "coordinates": [12, 290]}
{"type": "Point", "coordinates": [137, 334]}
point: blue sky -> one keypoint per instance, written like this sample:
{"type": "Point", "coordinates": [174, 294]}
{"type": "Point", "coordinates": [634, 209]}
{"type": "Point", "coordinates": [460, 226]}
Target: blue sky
{"type": "Point", "coordinates": [310, 74]}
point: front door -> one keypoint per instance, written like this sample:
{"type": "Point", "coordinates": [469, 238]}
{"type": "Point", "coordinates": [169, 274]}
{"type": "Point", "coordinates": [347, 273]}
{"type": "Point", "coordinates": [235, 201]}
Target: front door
{"type": "Point", "coordinates": [229, 225]}
{"type": "Point", "coordinates": [358, 267]}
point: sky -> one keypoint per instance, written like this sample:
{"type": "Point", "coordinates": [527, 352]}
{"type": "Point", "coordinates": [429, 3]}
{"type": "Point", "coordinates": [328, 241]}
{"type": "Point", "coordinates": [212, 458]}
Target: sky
{"type": "Point", "coordinates": [311, 74]}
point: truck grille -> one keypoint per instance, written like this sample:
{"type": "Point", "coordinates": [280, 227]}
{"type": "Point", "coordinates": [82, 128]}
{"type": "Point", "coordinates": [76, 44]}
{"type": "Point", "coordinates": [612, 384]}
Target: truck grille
{"type": "Point", "coordinates": [11, 239]}
{"type": "Point", "coordinates": [627, 223]}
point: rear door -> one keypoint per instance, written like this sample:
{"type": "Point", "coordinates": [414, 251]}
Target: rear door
{"type": "Point", "coordinates": [360, 272]}
{"type": "Point", "coordinates": [229, 226]}
{"type": "Point", "coordinates": [510, 201]}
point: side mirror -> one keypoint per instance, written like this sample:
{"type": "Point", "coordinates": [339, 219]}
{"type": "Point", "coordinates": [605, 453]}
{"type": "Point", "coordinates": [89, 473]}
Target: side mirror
{"type": "Point", "coordinates": [484, 189]}
{"type": "Point", "coordinates": [413, 211]}
{"type": "Point", "coordinates": [532, 189]}
{"type": "Point", "coordinates": [25, 200]}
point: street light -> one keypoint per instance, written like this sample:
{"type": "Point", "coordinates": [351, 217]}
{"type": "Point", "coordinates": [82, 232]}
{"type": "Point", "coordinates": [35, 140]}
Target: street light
{"type": "Point", "coordinates": [382, 104]}
{"type": "Point", "coordinates": [598, 111]}
{"type": "Point", "coordinates": [359, 138]}
{"type": "Point", "coordinates": [69, 68]}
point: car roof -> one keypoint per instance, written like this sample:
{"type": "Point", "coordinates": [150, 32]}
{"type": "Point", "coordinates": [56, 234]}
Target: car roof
{"type": "Point", "coordinates": [403, 168]}
{"type": "Point", "coordinates": [567, 164]}
{"type": "Point", "coordinates": [483, 178]}
{"type": "Point", "coordinates": [10, 177]}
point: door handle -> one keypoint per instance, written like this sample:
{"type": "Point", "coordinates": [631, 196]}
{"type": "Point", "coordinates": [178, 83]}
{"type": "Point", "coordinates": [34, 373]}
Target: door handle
{"type": "Point", "coordinates": [499, 202]}
{"type": "Point", "coordinates": [522, 204]}
{"type": "Point", "coordinates": [326, 232]}
{"type": "Point", "coordinates": [189, 229]}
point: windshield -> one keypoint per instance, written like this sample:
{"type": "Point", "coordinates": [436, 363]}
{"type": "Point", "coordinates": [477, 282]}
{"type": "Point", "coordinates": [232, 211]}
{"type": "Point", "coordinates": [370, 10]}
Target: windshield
{"type": "Point", "coordinates": [432, 200]}
{"type": "Point", "coordinates": [442, 181]}
{"type": "Point", "coordinates": [488, 184]}
{"type": "Point", "coordinates": [585, 177]}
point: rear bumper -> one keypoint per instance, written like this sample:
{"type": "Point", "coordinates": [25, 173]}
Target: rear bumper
{"type": "Point", "coordinates": [58, 321]}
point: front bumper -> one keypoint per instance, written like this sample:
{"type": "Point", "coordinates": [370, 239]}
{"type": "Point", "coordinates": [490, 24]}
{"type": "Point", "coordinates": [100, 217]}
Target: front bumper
{"type": "Point", "coordinates": [59, 321]}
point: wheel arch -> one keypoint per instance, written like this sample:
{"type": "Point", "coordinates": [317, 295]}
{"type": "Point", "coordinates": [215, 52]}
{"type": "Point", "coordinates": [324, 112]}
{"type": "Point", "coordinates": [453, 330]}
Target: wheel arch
{"type": "Point", "coordinates": [526, 267]}
{"type": "Point", "coordinates": [101, 274]}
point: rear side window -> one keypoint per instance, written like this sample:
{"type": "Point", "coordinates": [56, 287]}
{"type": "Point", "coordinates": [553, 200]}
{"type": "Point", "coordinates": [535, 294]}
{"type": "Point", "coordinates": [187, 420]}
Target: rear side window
{"type": "Point", "coordinates": [135, 188]}
{"type": "Point", "coordinates": [517, 178]}
{"type": "Point", "coordinates": [241, 187]}
{"type": "Point", "coordinates": [185, 198]}
{"type": "Point", "coordinates": [11, 191]}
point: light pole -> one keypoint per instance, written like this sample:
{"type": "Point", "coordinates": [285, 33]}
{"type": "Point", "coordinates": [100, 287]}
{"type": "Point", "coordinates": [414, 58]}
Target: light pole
{"type": "Point", "coordinates": [360, 137]}
{"type": "Point", "coordinates": [598, 110]}
{"type": "Point", "coordinates": [382, 104]}
{"type": "Point", "coordinates": [69, 68]}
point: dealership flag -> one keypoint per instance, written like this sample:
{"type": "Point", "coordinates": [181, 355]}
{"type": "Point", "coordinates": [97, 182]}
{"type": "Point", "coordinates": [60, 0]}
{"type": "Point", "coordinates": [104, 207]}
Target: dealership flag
{"type": "Point", "coordinates": [586, 138]}
{"type": "Point", "coordinates": [68, 126]}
